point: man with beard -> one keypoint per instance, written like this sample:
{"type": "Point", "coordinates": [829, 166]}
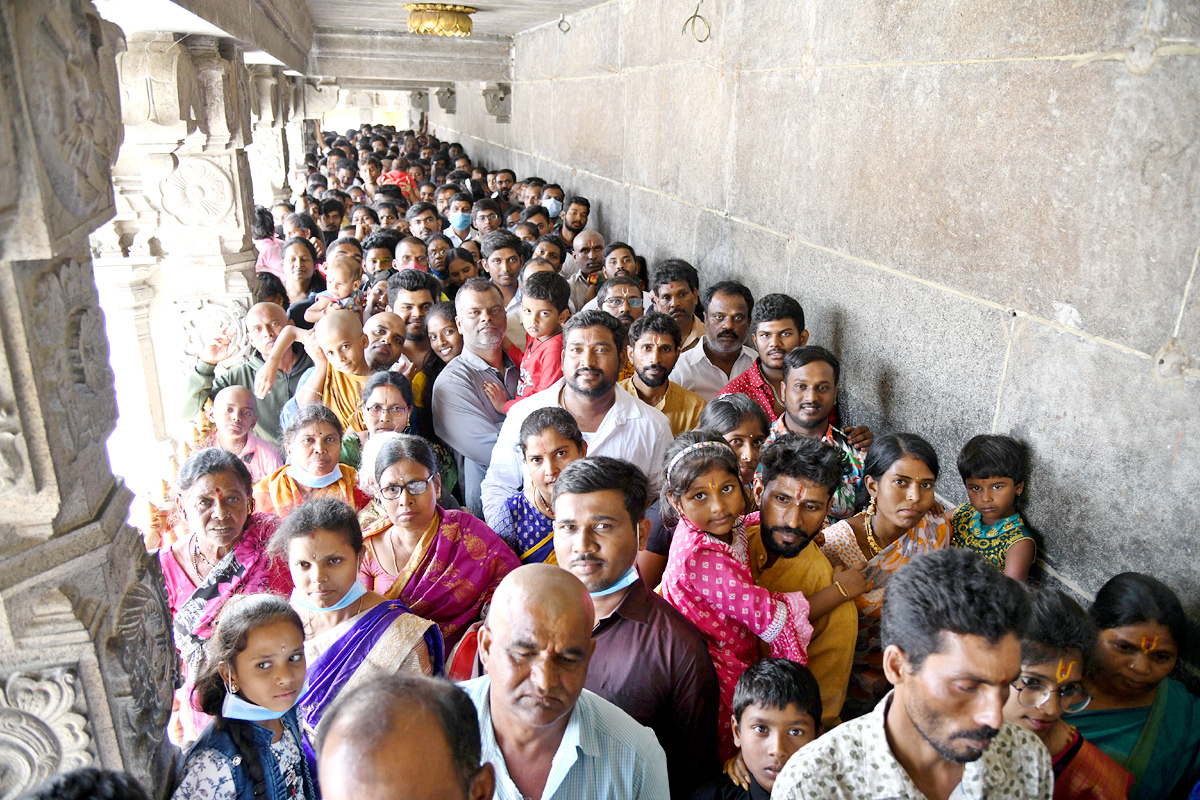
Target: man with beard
{"type": "Point", "coordinates": [776, 328]}
{"type": "Point", "coordinates": [463, 415]}
{"type": "Point", "coordinates": [411, 293]}
{"type": "Point", "coordinates": [263, 323]}
{"type": "Point", "coordinates": [675, 287]}
{"type": "Point", "coordinates": [810, 376]}
{"type": "Point", "coordinates": [793, 490]}
{"type": "Point", "coordinates": [588, 261]}
{"type": "Point", "coordinates": [649, 660]}
{"type": "Point", "coordinates": [614, 422]}
{"type": "Point", "coordinates": [720, 357]}
{"type": "Point", "coordinates": [952, 628]}
{"type": "Point", "coordinates": [653, 350]}
{"type": "Point", "coordinates": [574, 219]}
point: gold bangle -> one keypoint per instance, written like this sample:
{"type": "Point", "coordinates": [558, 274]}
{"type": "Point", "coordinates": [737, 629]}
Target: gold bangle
{"type": "Point", "coordinates": [841, 589]}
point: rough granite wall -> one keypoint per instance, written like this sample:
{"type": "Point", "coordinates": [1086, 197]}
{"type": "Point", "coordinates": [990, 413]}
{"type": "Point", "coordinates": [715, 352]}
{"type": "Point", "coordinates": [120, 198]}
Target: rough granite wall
{"type": "Point", "coordinates": [988, 210]}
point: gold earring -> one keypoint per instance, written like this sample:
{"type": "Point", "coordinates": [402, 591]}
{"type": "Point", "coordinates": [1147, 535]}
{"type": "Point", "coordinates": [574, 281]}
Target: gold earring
{"type": "Point", "coordinates": [871, 507]}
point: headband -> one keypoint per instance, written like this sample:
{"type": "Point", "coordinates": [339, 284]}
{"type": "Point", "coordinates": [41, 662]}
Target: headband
{"type": "Point", "coordinates": [691, 448]}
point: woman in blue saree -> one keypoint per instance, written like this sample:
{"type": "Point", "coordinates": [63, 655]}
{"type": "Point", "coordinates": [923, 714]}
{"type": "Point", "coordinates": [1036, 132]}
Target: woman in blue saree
{"type": "Point", "coordinates": [350, 634]}
{"type": "Point", "coordinates": [1138, 716]}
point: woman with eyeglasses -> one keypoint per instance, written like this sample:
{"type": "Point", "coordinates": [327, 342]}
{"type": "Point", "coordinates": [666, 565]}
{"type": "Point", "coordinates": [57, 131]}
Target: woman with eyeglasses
{"type": "Point", "coordinates": [1050, 685]}
{"type": "Point", "coordinates": [443, 564]}
{"type": "Point", "coordinates": [1143, 719]}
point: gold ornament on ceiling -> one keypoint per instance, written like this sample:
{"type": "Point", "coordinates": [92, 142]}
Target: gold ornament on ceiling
{"type": "Point", "coordinates": [439, 19]}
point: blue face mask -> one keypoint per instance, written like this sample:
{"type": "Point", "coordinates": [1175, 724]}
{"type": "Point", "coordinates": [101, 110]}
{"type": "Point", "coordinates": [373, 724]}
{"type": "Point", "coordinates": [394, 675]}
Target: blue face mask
{"type": "Point", "coordinates": [306, 478]}
{"type": "Point", "coordinates": [300, 600]}
{"type": "Point", "coordinates": [629, 578]}
{"type": "Point", "coordinates": [459, 220]}
{"type": "Point", "coordinates": [234, 707]}
{"type": "Point", "coordinates": [553, 206]}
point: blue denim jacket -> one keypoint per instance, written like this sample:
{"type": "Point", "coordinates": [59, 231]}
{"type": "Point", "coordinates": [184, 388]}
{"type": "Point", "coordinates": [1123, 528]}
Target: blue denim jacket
{"type": "Point", "coordinates": [213, 739]}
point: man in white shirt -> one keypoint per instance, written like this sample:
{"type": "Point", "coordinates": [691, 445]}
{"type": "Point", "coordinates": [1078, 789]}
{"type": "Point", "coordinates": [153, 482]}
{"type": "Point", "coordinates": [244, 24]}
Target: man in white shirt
{"type": "Point", "coordinates": [614, 422]}
{"type": "Point", "coordinates": [952, 648]}
{"type": "Point", "coordinates": [720, 357]}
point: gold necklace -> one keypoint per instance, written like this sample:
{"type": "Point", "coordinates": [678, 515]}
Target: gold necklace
{"type": "Point", "coordinates": [541, 505]}
{"type": "Point", "coordinates": [872, 542]}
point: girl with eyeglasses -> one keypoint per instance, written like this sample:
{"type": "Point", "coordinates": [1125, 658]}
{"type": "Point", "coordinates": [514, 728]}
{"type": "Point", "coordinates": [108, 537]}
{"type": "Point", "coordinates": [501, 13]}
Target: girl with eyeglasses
{"type": "Point", "coordinates": [443, 564]}
{"type": "Point", "coordinates": [1051, 684]}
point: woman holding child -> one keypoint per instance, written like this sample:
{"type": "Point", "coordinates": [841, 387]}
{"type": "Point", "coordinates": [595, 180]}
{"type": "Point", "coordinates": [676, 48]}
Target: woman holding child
{"type": "Point", "coordinates": [899, 474]}
{"type": "Point", "coordinates": [443, 564]}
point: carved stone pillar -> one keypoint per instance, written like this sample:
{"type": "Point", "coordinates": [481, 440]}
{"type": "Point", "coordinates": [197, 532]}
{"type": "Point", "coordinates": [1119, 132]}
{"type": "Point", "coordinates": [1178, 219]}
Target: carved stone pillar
{"type": "Point", "coordinates": [86, 659]}
{"type": "Point", "coordinates": [179, 248]}
{"type": "Point", "coordinates": [268, 153]}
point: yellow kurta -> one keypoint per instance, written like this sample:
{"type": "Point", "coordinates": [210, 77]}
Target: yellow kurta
{"type": "Point", "coordinates": [342, 392]}
{"type": "Point", "coordinates": [682, 407]}
{"type": "Point", "coordinates": [831, 651]}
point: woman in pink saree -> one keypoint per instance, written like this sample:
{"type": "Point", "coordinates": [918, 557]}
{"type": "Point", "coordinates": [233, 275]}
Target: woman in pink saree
{"type": "Point", "coordinates": [223, 554]}
{"type": "Point", "coordinates": [444, 565]}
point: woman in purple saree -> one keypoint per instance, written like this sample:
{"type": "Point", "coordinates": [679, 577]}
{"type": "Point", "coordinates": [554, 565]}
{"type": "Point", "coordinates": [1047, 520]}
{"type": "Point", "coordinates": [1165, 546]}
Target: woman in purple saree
{"type": "Point", "coordinates": [350, 634]}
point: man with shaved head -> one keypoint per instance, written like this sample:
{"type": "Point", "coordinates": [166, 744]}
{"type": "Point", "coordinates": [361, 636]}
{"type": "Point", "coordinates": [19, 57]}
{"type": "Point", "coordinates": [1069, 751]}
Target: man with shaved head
{"type": "Point", "coordinates": [235, 412]}
{"type": "Point", "coordinates": [385, 341]}
{"type": "Point", "coordinates": [587, 262]}
{"type": "Point", "coordinates": [543, 733]}
{"type": "Point", "coordinates": [402, 735]}
{"type": "Point", "coordinates": [264, 322]}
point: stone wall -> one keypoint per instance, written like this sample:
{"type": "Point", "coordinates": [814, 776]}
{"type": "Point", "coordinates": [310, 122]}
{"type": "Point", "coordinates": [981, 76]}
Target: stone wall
{"type": "Point", "coordinates": [990, 213]}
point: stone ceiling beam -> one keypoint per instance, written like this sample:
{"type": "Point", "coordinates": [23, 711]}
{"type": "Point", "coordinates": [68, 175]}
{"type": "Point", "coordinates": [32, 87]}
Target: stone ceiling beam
{"type": "Point", "coordinates": [393, 56]}
{"type": "Point", "coordinates": [280, 28]}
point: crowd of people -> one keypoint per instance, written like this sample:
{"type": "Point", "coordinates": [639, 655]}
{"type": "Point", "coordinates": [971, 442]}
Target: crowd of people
{"type": "Point", "coordinates": [494, 508]}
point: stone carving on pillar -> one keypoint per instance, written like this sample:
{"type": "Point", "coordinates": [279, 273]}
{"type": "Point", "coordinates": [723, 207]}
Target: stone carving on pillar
{"type": "Point", "coordinates": [447, 99]}
{"type": "Point", "coordinates": [419, 99]}
{"type": "Point", "coordinates": [43, 727]}
{"type": "Point", "coordinates": [202, 318]}
{"type": "Point", "coordinates": [268, 152]}
{"type": "Point", "coordinates": [197, 192]}
{"type": "Point", "coordinates": [497, 101]}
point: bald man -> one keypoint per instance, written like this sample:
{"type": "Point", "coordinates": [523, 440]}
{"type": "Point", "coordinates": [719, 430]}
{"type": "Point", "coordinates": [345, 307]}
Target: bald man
{"type": "Point", "coordinates": [544, 734]}
{"type": "Point", "coordinates": [588, 261]}
{"type": "Point", "coordinates": [402, 733]}
{"type": "Point", "coordinates": [263, 324]}
{"type": "Point", "coordinates": [235, 412]}
{"type": "Point", "coordinates": [385, 343]}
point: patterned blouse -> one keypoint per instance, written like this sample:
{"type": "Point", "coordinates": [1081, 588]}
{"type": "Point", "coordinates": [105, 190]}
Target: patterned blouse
{"type": "Point", "coordinates": [525, 529]}
{"type": "Point", "coordinates": [990, 541]}
{"type": "Point", "coordinates": [209, 773]}
{"type": "Point", "coordinates": [844, 495]}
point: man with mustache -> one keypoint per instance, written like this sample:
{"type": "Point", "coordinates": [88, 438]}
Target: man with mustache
{"type": "Point", "coordinates": [952, 628]}
{"type": "Point", "coordinates": [649, 660]}
{"type": "Point", "coordinates": [776, 328]}
{"type": "Point", "coordinates": [545, 735]}
{"type": "Point", "coordinates": [463, 415]}
{"type": "Point", "coordinates": [720, 357]}
{"type": "Point", "coordinates": [582, 270]}
{"type": "Point", "coordinates": [653, 350]}
{"type": "Point", "coordinates": [614, 422]}
{"type": "Point", "coordinates": [574, 219]}
{"type": "Point", "coordinates": [264, 322]}
{"type": "Point", "coordinates": [676, 291]}
{"type": "Point", "coordinates": [794, 490]}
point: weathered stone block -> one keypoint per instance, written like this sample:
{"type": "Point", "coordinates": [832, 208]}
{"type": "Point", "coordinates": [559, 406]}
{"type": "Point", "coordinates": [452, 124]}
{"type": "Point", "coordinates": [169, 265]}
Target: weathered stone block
{"type": "Point", "coordinates": [593, 45]}
{"type": "Point", "coordinates": [593, 135]}
{"type": "Point", "coordinates": [1016, 183]}
{"type": "Point", "coordinates": [656, 33]}
{"type": "Point", "coordinates": [661, 228]}
{"type": "Point", "coordinates": [729, 250]}
{"type": "Point", "coordinates": [1116, 459]}
{"type": "Point", "coordinates": [768, 34]}
{"type": "Point", "coordinates": [695, 124]}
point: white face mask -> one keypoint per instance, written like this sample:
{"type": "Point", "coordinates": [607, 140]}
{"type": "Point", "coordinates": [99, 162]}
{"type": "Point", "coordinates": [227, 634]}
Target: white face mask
{"type": "Point", "coordinates": [553, 206]}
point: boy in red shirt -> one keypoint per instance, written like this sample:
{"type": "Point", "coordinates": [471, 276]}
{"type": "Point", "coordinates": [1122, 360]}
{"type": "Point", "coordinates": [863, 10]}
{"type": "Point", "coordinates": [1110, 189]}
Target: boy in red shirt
{"type": "Point", "coordinates": [544, 299]}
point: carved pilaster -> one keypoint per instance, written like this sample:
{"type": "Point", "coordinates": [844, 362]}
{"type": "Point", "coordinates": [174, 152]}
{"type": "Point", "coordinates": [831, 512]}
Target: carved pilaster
{"type": "Point", "coordinates": [86, 667]}
{"type": "Point", "coordinates": [268, 152]}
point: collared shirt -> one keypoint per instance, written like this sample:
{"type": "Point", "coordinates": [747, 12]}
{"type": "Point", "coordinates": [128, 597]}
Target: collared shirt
{"type": "Point", "coordinates": [683, 408]}
{"type": "Point", "coordinates": [844, 496]}
{"type": "Point", "coordinates": [694, 371]}
{"type": "Point", "coordinates": [603, 755]}
{"type": "Point", "coordinates": [653, 664]}
{"type": "Point", "coordinates": [579, 290]}
{"type": "Point", "coordinates": [752, 384]}
{"type": "Point", "coordinates": [630, 430]}
{"type": "Point", "coordinates": [260, 457]}
{"type": "Point", "coordinates": [854, 761]}
{"type": "Point", "coordinates": [463, 416]}
{"type": "Point", "coordinates": [692, 337]}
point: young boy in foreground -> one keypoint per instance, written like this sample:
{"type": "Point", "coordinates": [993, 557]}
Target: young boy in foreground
{"type": "Point", "coordinates": [776, 711]}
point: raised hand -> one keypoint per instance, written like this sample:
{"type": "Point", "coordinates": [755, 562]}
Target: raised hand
{"type": "Point", "coordinates": [221, 346]}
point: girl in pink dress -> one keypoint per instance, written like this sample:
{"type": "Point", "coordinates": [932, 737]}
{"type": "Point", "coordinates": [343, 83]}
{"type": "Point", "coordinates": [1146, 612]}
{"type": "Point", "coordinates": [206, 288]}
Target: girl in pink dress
{"type": "Point", "coordinates": [708, 570]}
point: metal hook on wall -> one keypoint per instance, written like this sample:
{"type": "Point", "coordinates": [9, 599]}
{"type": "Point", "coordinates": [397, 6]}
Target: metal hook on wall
{"type": "Point", "coordinates": [694, 20]}
{"type": "Point", "coordinates": [563, 25]}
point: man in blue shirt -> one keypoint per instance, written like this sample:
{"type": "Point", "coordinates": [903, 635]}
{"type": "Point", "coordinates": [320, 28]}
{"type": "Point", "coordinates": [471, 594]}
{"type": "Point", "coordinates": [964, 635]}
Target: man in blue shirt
{"type": "Point", "coordinates": [545, 735]}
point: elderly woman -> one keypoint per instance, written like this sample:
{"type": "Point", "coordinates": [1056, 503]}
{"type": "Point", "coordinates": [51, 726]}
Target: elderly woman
{"type": "Point", "coordinates": [313, 441]}
{"type": "Point", "coordinates": [902, 521]}
{"type": "Point", "coordinates": [223, 554]}
{"type": "Point", "coordinates": [1140, 717]}
{"type": "Point", "coordinates": [443, 564]}
{"type": "Point", "coordinates": [350, 634]}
